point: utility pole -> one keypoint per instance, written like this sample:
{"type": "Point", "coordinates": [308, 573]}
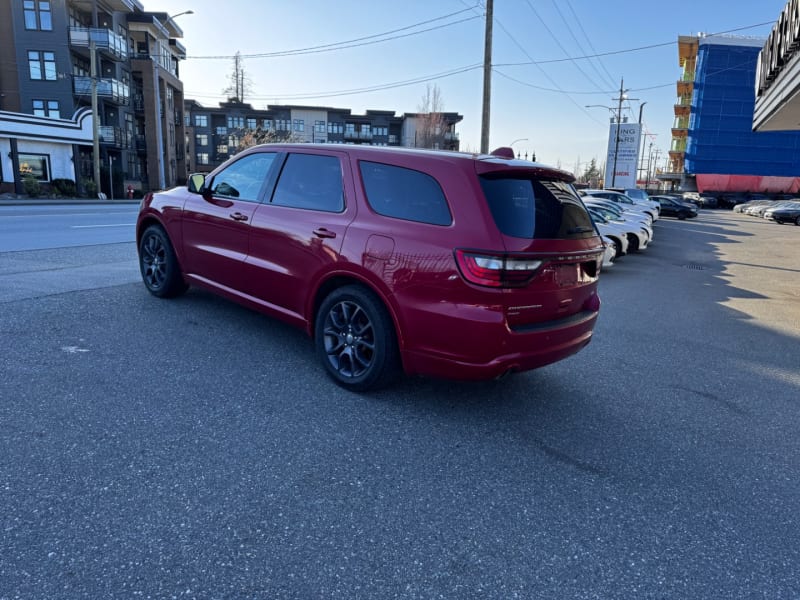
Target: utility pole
{"type": "Point", "coordinates": [619, 99]}
{"type": "Point", "coordinates": [487, 77]}
{"type": "Point", "coordinates": [95, 116]}
{"type": "Point", "coordinates": [616, 142]}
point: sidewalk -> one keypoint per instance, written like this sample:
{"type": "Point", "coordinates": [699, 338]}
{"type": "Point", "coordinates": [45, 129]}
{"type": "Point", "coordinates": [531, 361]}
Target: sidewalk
{"type": "Point", "coordinates": [23, 200]}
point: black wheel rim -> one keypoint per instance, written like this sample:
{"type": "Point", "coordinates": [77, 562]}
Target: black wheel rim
{"type": "Point", "coordinates": [349, 338]}
{"type": "Point", "coordinates": [154, 262]}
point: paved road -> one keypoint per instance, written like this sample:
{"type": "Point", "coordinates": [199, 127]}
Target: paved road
{"type": "Point", "coordinates": [31, 227]}
{"type": "Point", "coordinates": [194, 449]}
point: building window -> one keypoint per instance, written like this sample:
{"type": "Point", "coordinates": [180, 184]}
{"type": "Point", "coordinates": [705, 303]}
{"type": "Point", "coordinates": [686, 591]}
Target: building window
{"type": "Point", "coordinates": [267, 125]}
{"type": "Point", "coordinates": [299, 125]}
{"type": "Point", "coordinates": [350, 128]}
{"type": "Point", "coordinates": [222, 149]}
{"type": "Point", "coordinates": [380, 130]}
{"type": "Point", "coordinates": [251, 123]}
{"type": "Point", "coordinates": [233, 141]}
{"type": "Point", "coordinates": [201, 139]}
{"type": "Point", "coordinates": [35, 165]}
{"type": "Point", "coordinates": [236, 122]}
{"type": "Point", "coordinates": [46, 108]}
{"type": "Point", "coordinates": [170, 98]}
{"type": "Point", "coordinates": [202, 158]}
{"type": "Point", "coordinates": [42, 65]}
{"type": "Point", "coordinates": [335, 127]}
{"type": "Point", "coordinates": [201, 120]}
{"type": "Point", "coordinates": [282, 124]}
{"type": "Point", "coordinates": [319, 126]}
{"type": "Point", "coordinates": [221, 131]}
{"type": "Point", "coordinates": [38, 15]}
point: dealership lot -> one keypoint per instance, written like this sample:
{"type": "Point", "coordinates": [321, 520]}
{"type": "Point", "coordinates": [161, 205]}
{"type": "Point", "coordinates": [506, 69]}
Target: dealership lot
{"type": "Point", "coordinates": [195, 449]}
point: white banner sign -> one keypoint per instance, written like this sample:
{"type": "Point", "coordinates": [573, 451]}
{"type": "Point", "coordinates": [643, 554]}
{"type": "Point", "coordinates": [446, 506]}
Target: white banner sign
{"type": "Point", "coordinates": [623, 155]}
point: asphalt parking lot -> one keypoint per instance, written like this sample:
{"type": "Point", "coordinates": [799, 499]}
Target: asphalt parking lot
{"type": "Point", "coordinates": [195, 449]}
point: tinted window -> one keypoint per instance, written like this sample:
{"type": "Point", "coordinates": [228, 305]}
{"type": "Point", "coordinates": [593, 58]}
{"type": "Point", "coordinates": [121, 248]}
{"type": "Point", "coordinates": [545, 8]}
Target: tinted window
{"type": "Point", "coordinates": [534, 208]}
{"type": "Point", "coordinates": [310, 181]}
{"type": "Point", "coordinates": [404, 194]}
{"type": "Point", "coordinates": [244, 178]}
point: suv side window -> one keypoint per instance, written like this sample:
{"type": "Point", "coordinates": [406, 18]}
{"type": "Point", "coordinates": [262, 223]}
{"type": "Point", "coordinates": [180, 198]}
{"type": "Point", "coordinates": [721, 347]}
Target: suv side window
{"type": "Point", "coordinates": [310, 181]}
{"type": "Point", "coordinates": [404, 194]}
{"type": "Point", "coordinates": [244, 178]}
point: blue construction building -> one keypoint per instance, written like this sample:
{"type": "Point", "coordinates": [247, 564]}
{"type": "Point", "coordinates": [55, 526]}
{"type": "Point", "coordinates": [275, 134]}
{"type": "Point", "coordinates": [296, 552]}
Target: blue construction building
{"type": "Point", "coordinates": [714, 147]}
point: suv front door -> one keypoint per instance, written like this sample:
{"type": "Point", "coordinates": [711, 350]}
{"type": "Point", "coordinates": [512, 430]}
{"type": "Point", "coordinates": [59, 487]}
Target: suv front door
{"type": "Point", "coordinates": [216, 223]}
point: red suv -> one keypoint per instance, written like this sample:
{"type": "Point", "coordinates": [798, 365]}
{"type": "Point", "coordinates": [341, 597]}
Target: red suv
{"type": "Point", "coordinates": [445, 264]}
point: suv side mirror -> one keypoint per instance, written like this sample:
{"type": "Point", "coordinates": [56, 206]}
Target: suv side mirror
{"type": "Point", "coordinates": [196, 183]}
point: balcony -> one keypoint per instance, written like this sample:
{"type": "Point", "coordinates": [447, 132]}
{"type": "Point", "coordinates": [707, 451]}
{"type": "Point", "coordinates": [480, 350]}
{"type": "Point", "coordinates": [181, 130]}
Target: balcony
{"type": "Point", "coordinates": [141, 144]}
{"type": "Point", "coordinates": [109, 89]}
{"type": "Point", "coordinates": [357, 135]}
{"type": "Point", "coordinates": [114, 136]}
{"type": "Point", "coordinates": [105, 41]}
{"type": "Point", "coordinates": [451, 136]}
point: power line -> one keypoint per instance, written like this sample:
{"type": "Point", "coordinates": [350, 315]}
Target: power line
{"type": "Point", "coordinates": [626, 51]}
{"type": "Point", "coordinates": [560, 45]}
{"type": "Point", "coordinates": [550, 79]}
{"type": "Point", "coordinates": [610, 79]}
{"type": "Point", "coordinates": [350, 92]}
{"type": "Point", "coordinates": [354, 43]}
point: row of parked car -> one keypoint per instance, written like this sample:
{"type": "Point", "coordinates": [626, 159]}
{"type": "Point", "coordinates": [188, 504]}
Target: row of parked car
{"type": "Point", "coordinates": [780, 211]}
{"type": "Point", "coordinates": [625, 217]}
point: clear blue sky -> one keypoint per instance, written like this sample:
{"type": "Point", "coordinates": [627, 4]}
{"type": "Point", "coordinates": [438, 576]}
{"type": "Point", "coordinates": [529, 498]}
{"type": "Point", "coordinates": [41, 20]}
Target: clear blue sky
{"type": "Point", "coordinates": [543, 103]}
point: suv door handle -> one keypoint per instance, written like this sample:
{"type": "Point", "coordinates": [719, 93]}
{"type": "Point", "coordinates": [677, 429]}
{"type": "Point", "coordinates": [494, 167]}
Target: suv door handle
{"type": "Point", "coordinates": [237, 216]}
{"type": "Point", "coordinates": [324, 233]}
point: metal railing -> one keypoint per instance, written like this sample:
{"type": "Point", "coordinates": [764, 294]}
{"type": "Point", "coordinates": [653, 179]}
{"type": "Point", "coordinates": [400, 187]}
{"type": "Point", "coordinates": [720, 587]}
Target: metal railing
{"type": "Point", "coordinates": [104, 39]}
{"type": "Point", "coordinates": [112, 89]}
{"type": "Point", "coordinates": [115, 136]}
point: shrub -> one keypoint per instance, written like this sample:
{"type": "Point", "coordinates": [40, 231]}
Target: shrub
{"type": "Point", "coordinates": [64, 187]}
{"type": "Point", "coordinates": [31, 185]}
{"type": "Point", "coordinates": [91, 188]}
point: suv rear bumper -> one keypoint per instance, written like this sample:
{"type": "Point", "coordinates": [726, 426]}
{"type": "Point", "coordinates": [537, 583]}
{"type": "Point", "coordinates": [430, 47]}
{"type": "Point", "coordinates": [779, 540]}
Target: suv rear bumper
{"type": "Point", "coordinates": [522, 350]}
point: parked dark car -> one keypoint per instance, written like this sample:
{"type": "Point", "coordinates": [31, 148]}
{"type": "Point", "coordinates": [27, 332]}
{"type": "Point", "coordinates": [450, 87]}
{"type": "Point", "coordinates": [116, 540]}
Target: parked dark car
{"type": "Point", "coordinates": [706, 200]}
{"type": "Point", "coordinates": [436, 263]}
{"type": "Point", "coordinates": [787, 214]}
{"type": "Point", "coordinates": [672, 207]}
{"type": "Point", "coordinates": [731, 199]}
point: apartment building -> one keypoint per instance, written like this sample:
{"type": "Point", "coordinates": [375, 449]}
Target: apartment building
{"type": "Point", "coordinates": [214, 134]}
{"type": "Point", "coordinates": [48, 51]}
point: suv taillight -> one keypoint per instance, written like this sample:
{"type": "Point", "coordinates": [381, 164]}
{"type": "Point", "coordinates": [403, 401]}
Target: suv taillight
{"type": "Point", "coordinates": [496, 270]}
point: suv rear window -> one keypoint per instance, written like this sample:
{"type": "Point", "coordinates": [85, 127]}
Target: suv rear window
{"type": "Point", "coordinates": [404, 194]}
{"type": "Point", "coordinates": [536, 208]}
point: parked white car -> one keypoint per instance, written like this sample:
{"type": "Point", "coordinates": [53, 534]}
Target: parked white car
{"type": "Point", "coordinates": [613, 212]}
{"type": "Point", "coordinates": [650, 206]}
{"type": "Point", "coordinates": [627, 236]}
{"type": "Point", "coordinates": [610, 253]}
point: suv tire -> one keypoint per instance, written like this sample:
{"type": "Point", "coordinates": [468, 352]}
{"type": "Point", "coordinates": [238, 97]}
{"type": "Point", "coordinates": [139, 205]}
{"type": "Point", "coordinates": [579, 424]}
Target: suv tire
{"type": "Point", "coordinates": [356, 340]}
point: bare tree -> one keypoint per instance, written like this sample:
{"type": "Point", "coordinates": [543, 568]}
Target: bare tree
{"type": "Point", "coordinates": [253, 137]}
{"type": "Point", "coordinates": [239, 83]}
{"type": "Point", "coordinates": [431, 124]}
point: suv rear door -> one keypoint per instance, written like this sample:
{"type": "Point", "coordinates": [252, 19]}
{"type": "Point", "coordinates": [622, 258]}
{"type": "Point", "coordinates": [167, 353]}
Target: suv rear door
{"type": "Point", "coordinates": [544, 226]}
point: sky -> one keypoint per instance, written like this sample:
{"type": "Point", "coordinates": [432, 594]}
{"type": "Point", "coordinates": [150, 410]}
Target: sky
{"type": "Point", "coordinates": [545, 63]}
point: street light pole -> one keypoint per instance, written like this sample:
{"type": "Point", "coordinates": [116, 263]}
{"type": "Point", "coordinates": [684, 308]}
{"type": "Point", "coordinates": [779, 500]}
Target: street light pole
{"type": "Point", "coordinates": [641, 137]}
